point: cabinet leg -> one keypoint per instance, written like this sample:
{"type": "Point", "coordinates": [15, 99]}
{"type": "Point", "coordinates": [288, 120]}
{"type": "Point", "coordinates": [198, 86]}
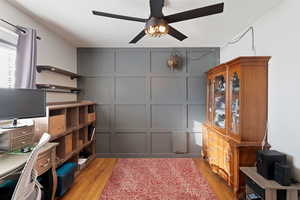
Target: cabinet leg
{"type": "Point", "coordinates": [292, 195]}
{"type": "Point", "coordinates": [239, 194]}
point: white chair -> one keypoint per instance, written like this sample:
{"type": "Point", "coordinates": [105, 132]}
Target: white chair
{"type": "Point", "coordinates": [28, 188]}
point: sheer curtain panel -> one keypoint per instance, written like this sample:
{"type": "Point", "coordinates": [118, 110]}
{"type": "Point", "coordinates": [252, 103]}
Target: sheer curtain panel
{"type": "Point", "coordinates": [25, 73]}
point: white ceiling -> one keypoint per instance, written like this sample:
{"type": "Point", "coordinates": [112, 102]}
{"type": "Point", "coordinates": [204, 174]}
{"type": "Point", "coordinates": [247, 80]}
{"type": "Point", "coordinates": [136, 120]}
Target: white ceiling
{"type": "Point", "coordinates": [74, 22]}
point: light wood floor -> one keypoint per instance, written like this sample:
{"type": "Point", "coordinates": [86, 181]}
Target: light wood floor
{"type": "Point", "coordinates": [90, 183]}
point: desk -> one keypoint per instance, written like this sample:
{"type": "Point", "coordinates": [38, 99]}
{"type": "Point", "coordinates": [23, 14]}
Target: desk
{"type": "Point", "coordinates": [11, 164]}
{"type": "Point", "coordinates": [270, 186]}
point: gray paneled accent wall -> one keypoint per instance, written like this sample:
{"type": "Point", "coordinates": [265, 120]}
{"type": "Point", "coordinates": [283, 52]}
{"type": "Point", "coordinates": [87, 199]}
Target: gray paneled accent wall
{"type": "Point", "coordinates": [143, 108]}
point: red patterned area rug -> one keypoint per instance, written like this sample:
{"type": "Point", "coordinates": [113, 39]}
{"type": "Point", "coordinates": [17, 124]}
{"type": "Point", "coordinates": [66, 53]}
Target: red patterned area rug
{"type": "Point", "coordinates": [157, 179]}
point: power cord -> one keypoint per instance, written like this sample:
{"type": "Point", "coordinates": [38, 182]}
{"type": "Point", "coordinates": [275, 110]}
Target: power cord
{"type": "Point", "coordinates": [236, 40]}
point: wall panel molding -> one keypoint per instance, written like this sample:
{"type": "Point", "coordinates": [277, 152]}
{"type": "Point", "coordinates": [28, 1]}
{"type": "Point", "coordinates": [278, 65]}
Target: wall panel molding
{"type": "Point", "coordinates": [143, 108]}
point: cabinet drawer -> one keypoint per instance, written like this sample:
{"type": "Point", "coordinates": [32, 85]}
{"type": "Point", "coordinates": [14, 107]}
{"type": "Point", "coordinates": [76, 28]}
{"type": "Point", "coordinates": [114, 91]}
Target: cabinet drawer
{"type": "Point", "coordinates": [91, 117]}
{"type": "Point", "coordinates": [29, 131]}
{"type": "Point", "coordinates": [57, 124]}
{"type": "Point", "coordinates": [21, 141]}
{"type": "Point", "coordinates": [43, 163]}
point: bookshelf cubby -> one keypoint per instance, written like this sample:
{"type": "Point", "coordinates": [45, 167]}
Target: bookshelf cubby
{"type": "Point", "coordinates": [83, 115]}
{"type": "Point", "coordinates": [60, 149]}
{"type": "Point", "coordinates": [91, 134]}
{"type": "Point", "coordinates": [71, 125]}
{"type": "Point", "coordinates": [91, 113]}
{"type": "Point", "coordinates": [68, 144]}
{"type": "Point", "coordinates": [83, 136]}
{"type": "Point", "coordinates": [72, 118]}
{"type": "Point", "coordinates": [75, 141]}
{"type": "Point", "coordinates": [87, 153]}
{"type": "Point", "coordinates": [57, 121]}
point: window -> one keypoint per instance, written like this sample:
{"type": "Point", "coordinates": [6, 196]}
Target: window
{"type": "Point", "coordinates": [7, 66]}
{"type": "Point", "coordinates": [8, 41]}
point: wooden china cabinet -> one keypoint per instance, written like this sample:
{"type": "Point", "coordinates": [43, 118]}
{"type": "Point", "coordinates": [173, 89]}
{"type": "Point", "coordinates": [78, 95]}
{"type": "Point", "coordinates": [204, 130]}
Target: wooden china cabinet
{"type": "Point", "coordinates": [236, 117]}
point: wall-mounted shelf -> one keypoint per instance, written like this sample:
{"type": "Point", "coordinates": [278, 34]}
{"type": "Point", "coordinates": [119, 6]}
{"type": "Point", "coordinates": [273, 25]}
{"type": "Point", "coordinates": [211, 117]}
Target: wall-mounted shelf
{"type": "Point", "coordinates": [57, 88]}
{"type": "Point", "coordinates": [41, 68]}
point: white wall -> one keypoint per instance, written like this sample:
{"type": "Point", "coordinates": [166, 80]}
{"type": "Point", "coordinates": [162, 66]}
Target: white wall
{"type": "Point", "coordinates": [278, 35]}
{"type": "Point", "coordinates": [52, 50]}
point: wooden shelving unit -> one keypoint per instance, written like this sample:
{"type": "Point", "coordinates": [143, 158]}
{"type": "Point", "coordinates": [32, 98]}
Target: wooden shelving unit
{"type": "Point", "coordinates": [71, 126]}
{"type": "Point", "coordinates": [41, 68]}
{"type": "Point", "coordinates": [58, 88]}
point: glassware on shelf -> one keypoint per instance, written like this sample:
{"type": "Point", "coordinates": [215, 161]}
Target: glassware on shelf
{"type": "Point", "coordinates": [210, 100]}
{"type": "Point", "coordinates": [220, 84]}
{"type": "Point", "coordinates": [235, 104]}
{"type": "Point", "coordinates": [219, 101]}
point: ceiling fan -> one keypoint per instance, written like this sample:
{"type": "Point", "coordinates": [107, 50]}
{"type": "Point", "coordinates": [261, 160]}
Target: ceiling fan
{"type": "Point", "coordinates": [158, 24]}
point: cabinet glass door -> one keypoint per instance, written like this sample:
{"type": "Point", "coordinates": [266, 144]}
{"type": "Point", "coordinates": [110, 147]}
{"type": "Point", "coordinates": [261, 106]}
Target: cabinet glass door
{"type": "Point", "coordinates": [219, 113]}
{"type": "Point", "coordinates": [234, 123]}
{"type": "Point", "coordinates": [209, 100]}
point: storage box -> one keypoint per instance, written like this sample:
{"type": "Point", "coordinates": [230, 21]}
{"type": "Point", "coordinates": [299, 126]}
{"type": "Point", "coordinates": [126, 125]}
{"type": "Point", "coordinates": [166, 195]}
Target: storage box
{"type": "Point", "coordinates": [57, 124]}
{"type": "Point", "coordinates": [65, 178]}
{"type": "Point", "coordinates": [68, 144]}
{"type": "Point", "coordinates": [91, 117]}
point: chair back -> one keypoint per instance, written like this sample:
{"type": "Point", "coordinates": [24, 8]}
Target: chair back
{"type": "Point", "coordinates": [28, 188]}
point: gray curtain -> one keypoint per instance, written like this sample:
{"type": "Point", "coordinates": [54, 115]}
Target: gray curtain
{"type": "Point", "coordinates": [26, 59]}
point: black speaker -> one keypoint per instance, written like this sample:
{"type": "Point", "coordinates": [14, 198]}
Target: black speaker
{"type": "Point", "coordinates": [265, 162]}
{"type": "Point", "coordinates": [282, 174]}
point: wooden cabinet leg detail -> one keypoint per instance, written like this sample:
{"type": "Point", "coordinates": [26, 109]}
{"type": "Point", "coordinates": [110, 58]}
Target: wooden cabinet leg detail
{"type": "Point", "coordinates": [54, 176]}
{"type": "Point", "coordinates": [271, 194]}
{"type": "Point", "coordinates": [292, 195]}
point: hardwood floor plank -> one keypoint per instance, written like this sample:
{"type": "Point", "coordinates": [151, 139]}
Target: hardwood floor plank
{"type": "Point", "coordinates": [90, 183]}
{"type": "Point", "coordinates": [221, 189]}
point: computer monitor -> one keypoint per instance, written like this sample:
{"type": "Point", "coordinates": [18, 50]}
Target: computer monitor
{"type": "Point", "coordinates": [21, 104]}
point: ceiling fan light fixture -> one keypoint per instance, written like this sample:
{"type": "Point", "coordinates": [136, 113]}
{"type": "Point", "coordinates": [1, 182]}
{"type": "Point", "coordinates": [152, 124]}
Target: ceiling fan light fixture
{"type": "Point", "coordinates": [162, 28]}
{"type": "Point", "coordinates": [156, 27]}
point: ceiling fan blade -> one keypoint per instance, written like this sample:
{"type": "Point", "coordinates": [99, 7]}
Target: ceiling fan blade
{"type": "Point", "coordinates": [199, 12]}
{"type": "Point", "coordinates": [118, 16]}
{"type": "Point", "coordinates": [138, 37]}
{"type": "Point", "coordinates": [176, 34]}
{"type": "Point", "coordinates": [156, 7]}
